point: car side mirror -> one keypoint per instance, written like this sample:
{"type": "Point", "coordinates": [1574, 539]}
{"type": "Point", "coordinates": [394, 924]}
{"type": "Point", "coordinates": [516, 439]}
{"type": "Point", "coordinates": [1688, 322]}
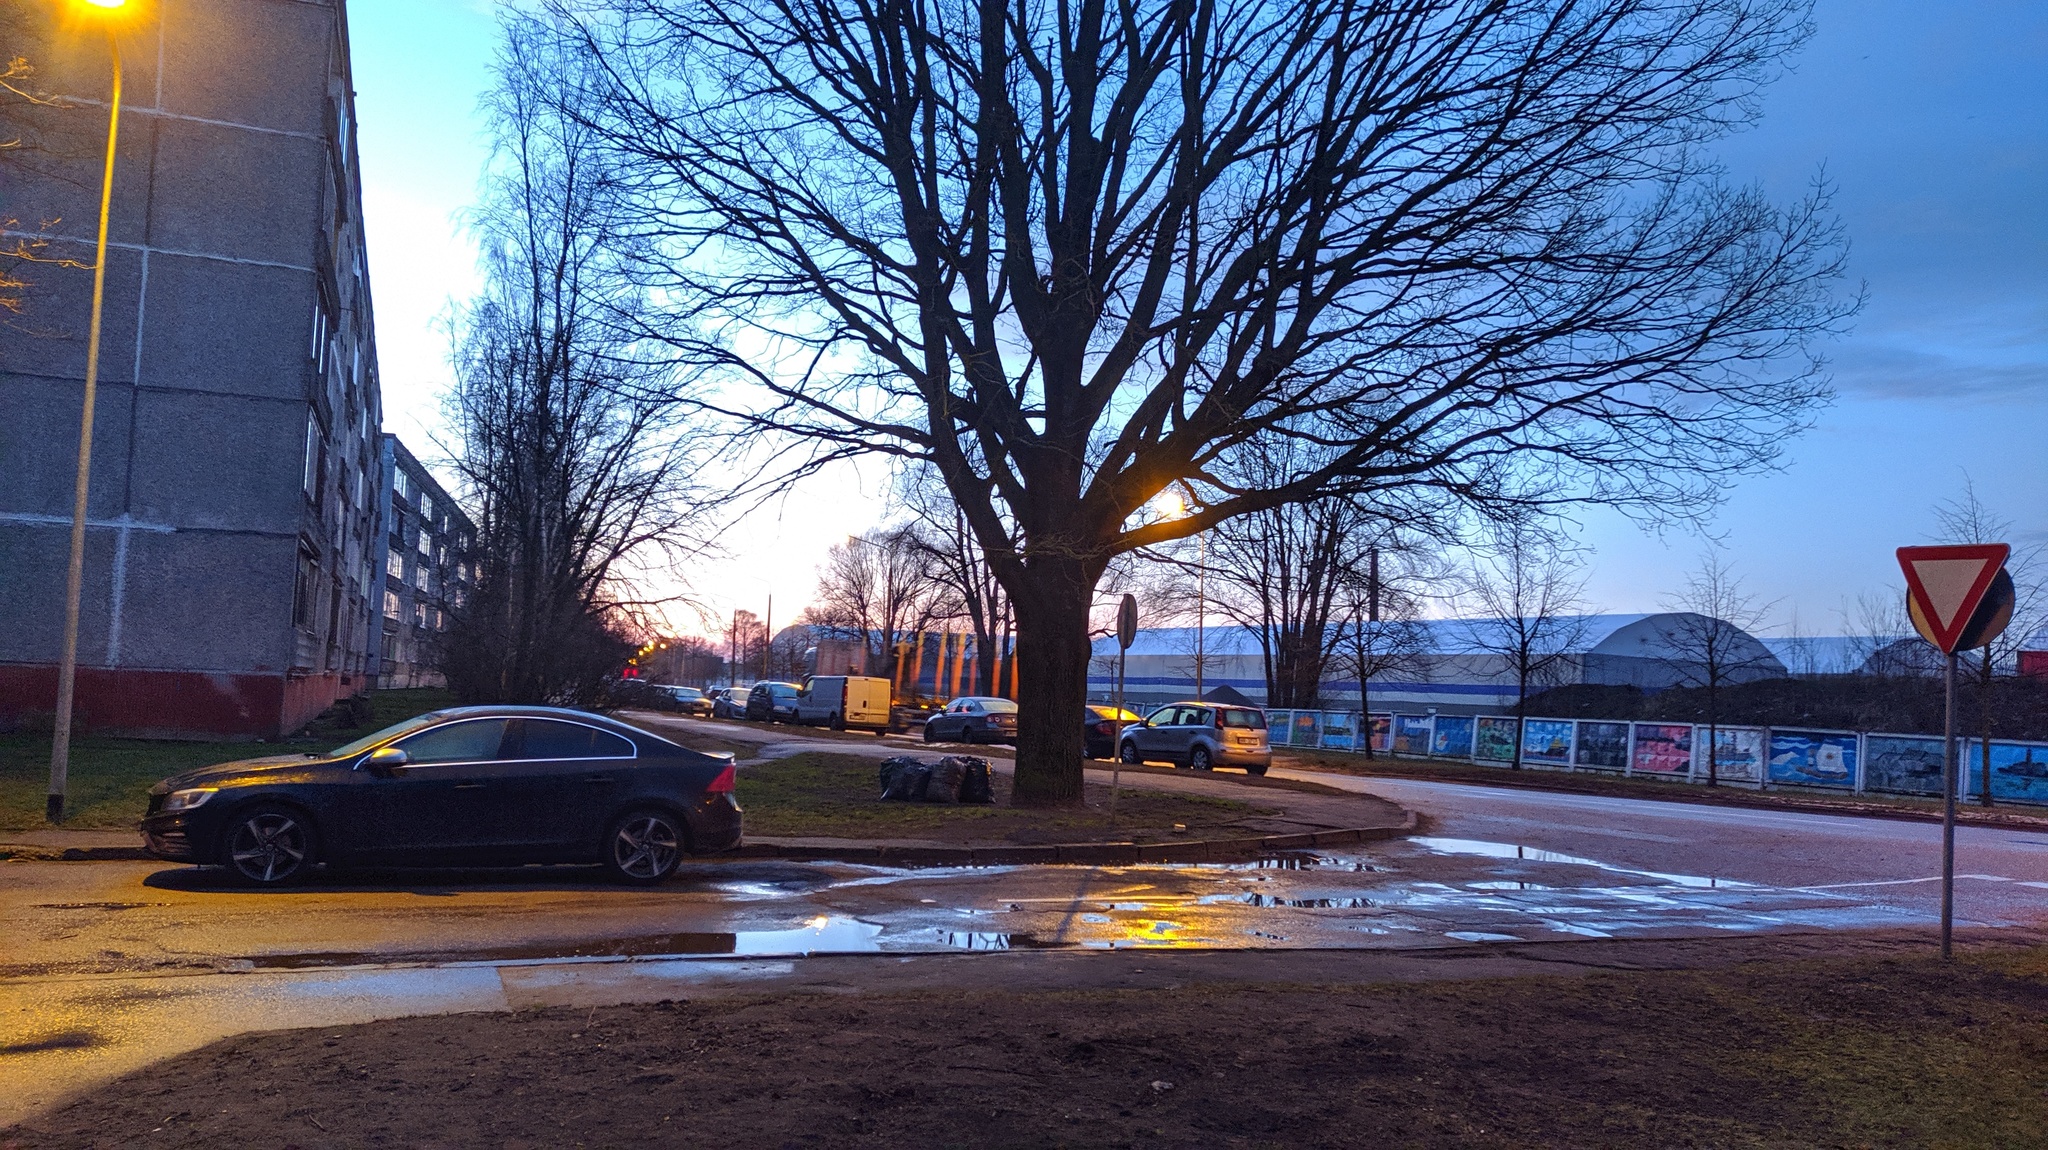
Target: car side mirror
{"type": "Point", "coordinates": [382, 761]}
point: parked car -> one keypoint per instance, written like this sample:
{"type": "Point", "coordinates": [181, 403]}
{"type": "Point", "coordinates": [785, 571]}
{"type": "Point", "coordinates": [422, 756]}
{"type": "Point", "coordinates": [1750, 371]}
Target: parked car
{"type": "Point", "coordinates": [770, 701]}
{"type": "Point", "coordinates": [973, 719]}
{"type": "Point", "coordinates": [1099, 729]}
{"type": "Point", "coordinates": [461, 787]}
{"type": "Point", "coordinates": [688, 700]}
{"type": "Point", "coordinates": [730, 703]}
{"type": "Point", "coordinates": [1200, 735]}
{"type": "Point", "coordinates": [859, 702]}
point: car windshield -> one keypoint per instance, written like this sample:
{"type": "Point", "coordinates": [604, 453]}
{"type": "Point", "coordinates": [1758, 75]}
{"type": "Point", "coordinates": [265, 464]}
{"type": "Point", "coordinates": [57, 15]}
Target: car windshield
{"type": "Point", "coordinates": [998, 706]}
{"type": "Point", "coordinates": [1244, 718]}
{"type": "Point", "coordinates": [688, 693]}
{"type": "Point", "coordinates": [385, 735]}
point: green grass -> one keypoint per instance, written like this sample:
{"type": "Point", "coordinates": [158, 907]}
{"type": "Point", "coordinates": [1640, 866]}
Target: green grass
{"type": "Point", "coordinates": [110, 778]}
{"type": "Point", "coordinates": [837, 796]}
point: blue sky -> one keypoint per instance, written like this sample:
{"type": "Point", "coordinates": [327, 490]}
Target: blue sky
{"type": "Point", "coordinates": [1930, 120]}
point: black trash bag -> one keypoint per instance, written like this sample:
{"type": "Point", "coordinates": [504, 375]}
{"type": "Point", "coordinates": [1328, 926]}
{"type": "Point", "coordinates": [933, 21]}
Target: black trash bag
{"type": "Point", "coordinates": [974, 785]}
{"type": "Point", "coordinates": [947, 775]}
{"type": "Point", "coordinates": [892, 767]}
{"type": "Point", "coordinates": [908, 783]}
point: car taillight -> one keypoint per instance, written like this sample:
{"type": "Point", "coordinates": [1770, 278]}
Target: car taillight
{"type": "Point", "coordinates": [723, 784]}
{"type": "Point", "coordinates": [1107, 728]}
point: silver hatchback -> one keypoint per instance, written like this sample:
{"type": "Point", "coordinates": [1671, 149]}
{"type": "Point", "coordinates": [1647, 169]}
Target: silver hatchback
{"type": "Point", "coordinates": [1200, 735]}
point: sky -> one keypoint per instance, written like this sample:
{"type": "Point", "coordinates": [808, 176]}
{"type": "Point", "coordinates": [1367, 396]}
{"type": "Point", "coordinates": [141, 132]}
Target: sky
{"type": "Point", "coordinates": [1929, 121]}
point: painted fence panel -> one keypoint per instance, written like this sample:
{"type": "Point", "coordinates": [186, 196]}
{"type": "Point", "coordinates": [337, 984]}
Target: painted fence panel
{"type": "Point", "coordinates": [1813, 758]}
{"type": "Point", "coordinates": [1411, 735]}
{"type": "Point", "coordinates": [1280, 728]}
{"type": "Point", "coordinates": [2019, 771]}
{"type": "Point", "coordinates": [1307, 729]}
{"type": "Point", "coordinates": [1340, 730]}
{"type": "Point", "coordinates": [1382, 727]}
{"type": "Point", "coordinates": [1902, 764]}
{"type": "Point", "coordinates": [1738, 755]}
{"type": "Point", "coordinates": [1495, 741]}
{"type": "Point", "coordinates": [1661, 750]}
{"type": "Point", "coordinates": [1452, 737]}
{"type": "Point", "coordinates": [1601, 746]}
{"type": "Point", "coordinates": [1547, 742]}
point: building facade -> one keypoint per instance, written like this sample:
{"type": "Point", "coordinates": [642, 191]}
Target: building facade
{"type": "Point", "coordinates": [230, 566]}
{"type": "Point", "coordinates": [425, 553]}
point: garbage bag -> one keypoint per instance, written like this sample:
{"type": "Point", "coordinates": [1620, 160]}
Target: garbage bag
{"type": "Point", "coordinates": [907, 783]}
{"type": "Point", "coordinates": [973, 786]}
{"type": "Point", "coordinates": [892, 767]}
{"type": "Point", "coordinates": [947, 775]}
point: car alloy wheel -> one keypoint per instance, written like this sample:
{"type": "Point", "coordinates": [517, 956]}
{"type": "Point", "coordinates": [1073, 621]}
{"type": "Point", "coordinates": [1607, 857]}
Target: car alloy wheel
{"type": "Point", "coordinates": [1199, 758]}
{"type": "Point", "coordinates": [1129, 753]}
{"type": "Point", "coordinates": [644, 847]}
{"type": "Point", "coordinates": [271, 846]}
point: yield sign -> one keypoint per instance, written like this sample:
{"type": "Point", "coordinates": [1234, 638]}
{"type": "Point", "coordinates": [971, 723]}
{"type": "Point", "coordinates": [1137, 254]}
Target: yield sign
{"type": "Point", "coordinates": [1947, 583]}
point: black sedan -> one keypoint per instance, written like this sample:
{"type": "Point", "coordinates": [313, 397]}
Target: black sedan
{"type": "Point", "coordinates": [973, 719]}
{"type": "Point", "coordinates": [463, 787]}
{"type": "Point", "coordinates": [772, 701]}
{"type": "Point", "coordinates": [1100, 727]}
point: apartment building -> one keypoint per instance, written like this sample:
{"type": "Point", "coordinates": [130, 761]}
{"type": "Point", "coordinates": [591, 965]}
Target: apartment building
{"type": "Point", "coordinates": [425, 546]}
{"type": "Point", "coordinates": [231, 561]}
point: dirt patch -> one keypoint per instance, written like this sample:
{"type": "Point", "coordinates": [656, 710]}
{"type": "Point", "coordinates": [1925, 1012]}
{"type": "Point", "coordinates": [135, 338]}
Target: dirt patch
{"type": "Point", "coordinates": [836, 796]}
{"type": "Point", "coordinates": [1818, 1052]}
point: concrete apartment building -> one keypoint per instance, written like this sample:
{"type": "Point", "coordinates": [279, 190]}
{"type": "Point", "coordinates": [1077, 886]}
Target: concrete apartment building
{"type": "Point", "coordinates": [231, 564]}
{"type": "Point", "coordinates": [424, 544]}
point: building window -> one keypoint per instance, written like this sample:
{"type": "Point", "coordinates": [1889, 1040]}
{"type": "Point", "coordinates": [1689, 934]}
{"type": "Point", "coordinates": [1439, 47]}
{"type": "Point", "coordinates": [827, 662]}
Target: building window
{"type": "Point", "coordinates": [303, 587]}
{"type": "Point", "coordinates": [426, 541]}
{"type": "Point", "coordinates": [426, 508]}
{"type": "Point", "coordinates": [419, 576]}
{"type": "Point", "coordinates": [394, 565]}
{"type": "Point", "coordinates": [312, 454]}
{"type": "Point", "coordinates": [391, 605]}
{"type": "Point", "coordinates": [419, 615]}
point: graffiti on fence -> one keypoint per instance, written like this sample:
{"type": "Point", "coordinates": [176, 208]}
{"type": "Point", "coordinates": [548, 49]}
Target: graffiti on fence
{"type": "Point", "coordinates": [1453, 737]}
{"type": "Point", "coordinates": [1738, 756]}
{"type": "Point", "coordinates": [1547, 741]}
{"type": "Point", "coordinates": [1340, 730]}
{"type": "Point", "coordinates": [1382, 728]}
{"type": "Point", "coordinates": [1411, 734]}
{"type": "Point", "coordinates": [1495, 740]}
{"type": "Point", "coordinates": [1813, 758]}
{"type": "Point", "coordinates": [1662, 749]}
{"type": "Point", "coordinates": [1903, 764]}
{"type": "Point", "coordinates": [1601, 746]}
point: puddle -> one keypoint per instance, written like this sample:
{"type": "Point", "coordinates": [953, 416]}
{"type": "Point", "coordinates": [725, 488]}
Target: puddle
{"type": "Point", "coordinates": [1532, 854]}
{"type": "Point", "coordinates": [68, 1040]}
{"type": "Point", "coordinates": [1479, 936]}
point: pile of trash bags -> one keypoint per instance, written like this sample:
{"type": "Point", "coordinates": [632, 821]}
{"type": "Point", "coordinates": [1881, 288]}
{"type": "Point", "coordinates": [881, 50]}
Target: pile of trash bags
{"type": "Point", "coordinates": [953, 779]}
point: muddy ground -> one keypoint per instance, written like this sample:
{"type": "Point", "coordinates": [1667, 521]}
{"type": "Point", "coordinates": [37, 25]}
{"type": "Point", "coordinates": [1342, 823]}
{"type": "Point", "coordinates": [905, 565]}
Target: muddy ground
{"type": "Point", "coordinates": [1874, 1048]}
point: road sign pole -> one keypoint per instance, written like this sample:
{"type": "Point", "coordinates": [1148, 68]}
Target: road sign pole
{"type": "Point", "coordinates": [1948, 811]}
{"type": "Point", "coordinates": [1116, 743]}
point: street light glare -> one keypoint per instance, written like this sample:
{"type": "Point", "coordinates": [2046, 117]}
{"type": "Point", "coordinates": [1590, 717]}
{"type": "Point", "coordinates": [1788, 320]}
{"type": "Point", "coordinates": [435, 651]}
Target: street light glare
{"type": "Point", "coordinates": [109, 4]}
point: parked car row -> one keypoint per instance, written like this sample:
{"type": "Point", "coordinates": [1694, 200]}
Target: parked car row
{"type": "Point", "coordinates": [1193, 734]}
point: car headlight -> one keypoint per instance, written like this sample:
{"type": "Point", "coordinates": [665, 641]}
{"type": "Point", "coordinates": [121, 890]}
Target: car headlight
{"type": "Point", "coordinates": [186, 800]}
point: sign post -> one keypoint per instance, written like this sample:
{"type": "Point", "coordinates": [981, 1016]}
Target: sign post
{"type": "Point", "coordinates": [1950, 596]}
{"type": "Point", "coordinates": [1126, 634]}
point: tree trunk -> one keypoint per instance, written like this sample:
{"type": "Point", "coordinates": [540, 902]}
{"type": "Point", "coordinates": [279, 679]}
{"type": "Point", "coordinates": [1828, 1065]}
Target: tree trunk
{"type": "Point", "coordinates": [1051, 602]}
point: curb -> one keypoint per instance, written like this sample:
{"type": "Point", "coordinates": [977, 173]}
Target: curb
{"type": "Point", "coordinates": [1083, 854]}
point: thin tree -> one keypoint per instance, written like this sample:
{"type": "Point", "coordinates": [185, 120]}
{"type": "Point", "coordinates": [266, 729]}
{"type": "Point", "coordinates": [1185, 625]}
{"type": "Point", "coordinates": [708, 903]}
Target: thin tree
{"type": "Point", "coordinates": [568, 438]}
{"type": "Point", "coordinates": [1379, 633]}
{"type": "Point", "coordinates": [1073, 254]}
{"type": "Point", "coordinates": [1711, 641]}
{"type": "Point", "coordinates": [1965, 519]}
{"type": "Point", "coordinates": [1530, 596]}
{"type": "Point", "coordinates": [877, 590]}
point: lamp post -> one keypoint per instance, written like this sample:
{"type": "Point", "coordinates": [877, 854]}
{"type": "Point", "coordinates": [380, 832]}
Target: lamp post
{"type": "Point", "coordinates": [74, 578]}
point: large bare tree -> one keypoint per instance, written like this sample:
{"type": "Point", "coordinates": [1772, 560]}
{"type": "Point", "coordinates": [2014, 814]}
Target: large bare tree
{"type": "Point", "coordinates": [1072, 253]}
{"type": "Point", "coordinates": [570, 437]}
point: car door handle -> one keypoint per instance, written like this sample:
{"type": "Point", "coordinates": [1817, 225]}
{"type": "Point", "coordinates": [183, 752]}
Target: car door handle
{"type": "Point", "coordinates": [469, 786]}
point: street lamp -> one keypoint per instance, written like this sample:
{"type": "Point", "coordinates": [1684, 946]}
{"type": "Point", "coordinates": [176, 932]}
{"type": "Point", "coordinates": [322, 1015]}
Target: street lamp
{"type": "Point", "coordinates": [1182, 510]}
{"type": "Point", "coordinates": [74, 579]}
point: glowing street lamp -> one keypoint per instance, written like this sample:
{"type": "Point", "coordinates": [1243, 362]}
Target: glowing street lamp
{"type": "Point", "coordinates": [74, 580]}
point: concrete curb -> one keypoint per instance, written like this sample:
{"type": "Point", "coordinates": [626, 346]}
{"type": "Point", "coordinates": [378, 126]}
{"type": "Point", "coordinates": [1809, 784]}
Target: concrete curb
{"type": "Point", "coordinates": [890, 854]}
{"type": "Point", "coordinates": [1081, 854]}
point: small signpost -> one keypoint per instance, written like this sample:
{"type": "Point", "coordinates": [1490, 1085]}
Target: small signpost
{"type": "Point", "coordinates": [1960, 597]}
{"type": "Point", "coordinates": [1126, 634]}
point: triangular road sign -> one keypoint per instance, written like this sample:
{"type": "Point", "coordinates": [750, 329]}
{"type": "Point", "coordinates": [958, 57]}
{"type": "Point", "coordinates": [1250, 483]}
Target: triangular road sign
{"type": "Point", "coordinates": [1945, 584]}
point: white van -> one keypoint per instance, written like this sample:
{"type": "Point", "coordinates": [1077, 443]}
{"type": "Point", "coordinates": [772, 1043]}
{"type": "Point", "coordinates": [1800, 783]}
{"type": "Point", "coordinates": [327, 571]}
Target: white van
{"type": "Point", "coordinates": [844, 701]}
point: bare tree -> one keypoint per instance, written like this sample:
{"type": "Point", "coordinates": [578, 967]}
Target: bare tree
{"type": "Point", "coordinates": [1711, 643]}
{"type": "Point", "coordinates": [1072, 254]}
{"type": "Point", "coordinates": [27, 112]}
{"type": "Point", "coordinates": [746, 644]}
{"type": "Point", "coordinates": [570, 441]}
{"type": "Point", "coordinates": [1965, 519]}
{"type": "Point", "coordinates": [958, 559]}
{"type": "Point", "coordinates": [1379, 633]}
{"type": "Point", "coordinates": [879, 588]}
{"type": "Point", "coordinates": [1530, 594]}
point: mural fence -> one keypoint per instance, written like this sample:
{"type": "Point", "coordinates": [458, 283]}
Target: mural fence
{"type": "Point", "coordinates": [1756, 757]}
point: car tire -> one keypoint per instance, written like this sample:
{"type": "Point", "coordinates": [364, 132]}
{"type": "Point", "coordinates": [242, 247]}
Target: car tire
{"type": "Point", "coordinates": [1198, 759]}
{"type": "Point", "coordinates": [271, 845]}
{"type": "Point", "coordinates": [644, 846]}
{"type": "Point", "coordinates": [837, 722]}
{"type": "Point", "coordinates": [929, 736]}
{"type": "Point", "coordinates": [1258, 769]}
{"type": "Point", "coordinates": [1128, 754]}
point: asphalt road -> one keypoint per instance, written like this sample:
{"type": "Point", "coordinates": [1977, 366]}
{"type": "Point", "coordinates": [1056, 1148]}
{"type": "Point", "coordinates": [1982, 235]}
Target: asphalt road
{"type": "Point", "coordinates": [110, 965]}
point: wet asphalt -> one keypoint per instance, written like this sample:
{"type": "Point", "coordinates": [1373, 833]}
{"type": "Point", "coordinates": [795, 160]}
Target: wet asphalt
{"type": "Point", "coordinates": [111, 965]}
